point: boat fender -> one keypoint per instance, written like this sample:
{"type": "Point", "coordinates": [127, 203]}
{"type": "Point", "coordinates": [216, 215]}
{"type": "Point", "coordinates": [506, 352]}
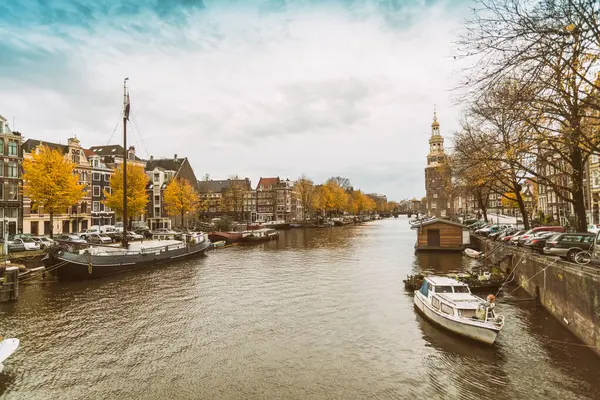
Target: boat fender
{"type": "Point", "coordinates": [491, 298]}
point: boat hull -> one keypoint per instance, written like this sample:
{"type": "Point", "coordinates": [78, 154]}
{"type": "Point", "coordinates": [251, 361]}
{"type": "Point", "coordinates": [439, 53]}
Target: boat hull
{"type": "Point", "coordinates": [481, 334]}
{"type": "Point", "coordinates": [75, 266]}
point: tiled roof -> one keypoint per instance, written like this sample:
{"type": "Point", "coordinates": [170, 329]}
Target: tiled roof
{"type": "Point", "coordinates": [168, 164]}
{"type": "Point", "coordinates": [267, 183]}
{"type": "Point", "coordinates": [110, 150]}
{"type": "Point", "coordinates": [218, 186]}
{"type": "Point", "coordinates": [88, 153]}
{"type": "Point", "coordinates": [31, 144]}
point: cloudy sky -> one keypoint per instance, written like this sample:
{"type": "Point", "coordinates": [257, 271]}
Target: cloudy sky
{"type": "Point", "coordinates": [248, 87]}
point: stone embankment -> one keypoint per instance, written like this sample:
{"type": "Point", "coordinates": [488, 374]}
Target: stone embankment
{"type": "Point", "coordinates": [570, 292]}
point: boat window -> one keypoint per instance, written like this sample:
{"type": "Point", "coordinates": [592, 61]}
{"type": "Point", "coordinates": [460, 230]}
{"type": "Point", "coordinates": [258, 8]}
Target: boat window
{"type": "Point", "coordinates": [443, 289]}
{"type": "Point", "coordinates": [461, 289]}
{"type": "Point", "coordinates": [466, 313]}
{"type": "Point", "coordinates": [435, 302]}
{"type": "Point", "coordinates": [424, 288]}
{"type": "Point", "coordinates": [447, 309]}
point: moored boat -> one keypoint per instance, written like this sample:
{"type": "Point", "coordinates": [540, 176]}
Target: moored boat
{"type": "Point", "coordinates": [472, 253]}
{"type": "Point", "coordinates": [259, 235]}
{"type": "Point", "coordinates": [276, 225]}
{"type": "Point", "coordinates": [228, 237]}
{"type": "Point", "coordinates": [99, 261]}
{"type": "Point", "coordinates": [450, 304]}
{"type": "Point", "coordinates": [220, 243]}
{"type": "Point", "coordinates": [7, 348]}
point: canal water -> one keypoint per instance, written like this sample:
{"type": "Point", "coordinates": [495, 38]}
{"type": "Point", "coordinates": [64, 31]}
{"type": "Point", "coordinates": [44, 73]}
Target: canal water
{"type": "Point", "coordinates": [320, 314]}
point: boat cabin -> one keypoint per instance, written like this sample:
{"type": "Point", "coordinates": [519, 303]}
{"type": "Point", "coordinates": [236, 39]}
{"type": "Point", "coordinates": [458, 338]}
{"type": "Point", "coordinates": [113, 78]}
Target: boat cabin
{"type": "Point", "coordinates": [454, 298]}
{"type": "Point", "coordinates": [440, 234]}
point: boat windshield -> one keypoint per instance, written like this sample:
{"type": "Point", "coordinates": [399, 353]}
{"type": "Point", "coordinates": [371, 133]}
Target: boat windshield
{"type": "Point", "coordinates": [443, 289]}
{"type": "Point", "coordinates": [461, 289]}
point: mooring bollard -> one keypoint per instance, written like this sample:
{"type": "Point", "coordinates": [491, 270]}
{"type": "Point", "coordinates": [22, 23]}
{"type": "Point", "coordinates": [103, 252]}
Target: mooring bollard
{"type": "Point", "coordinates": [10, 287]}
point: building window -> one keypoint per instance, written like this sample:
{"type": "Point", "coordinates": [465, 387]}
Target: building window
{"type": "Point", "coordinates": [107, 209]}
{"type": "Point", "coordinates": [156, 212]}
{"type": "Point", "coordinates": [13, 171]}
{"type": "Point", "coordinates": [106, 177]}
{"type": "Point", "coordinates": [596, 178]}
{"type": "Point", "coordinates": [83, 207]}
{"type": "Point", "coordinates": [12, 148]}
{"type": "Point", "coordinates": [1, 168]}
{"type": "Point", "coordinates": [95, 177]}
{"type": "Point", "coordinates": [96, 206]}
{"type": "Point", "coordinates": [1, 192]}
{"type": "Point", "coordinates": [108, 189]}
{"type": "Point", "coordinates": [96, 191]}
{"type": "Point", "coordinates": [11, 213]}
{"type": "Point", "coordinates": [156, 178]}
{"type": "Point", "coordinates": [156, 199]}
{"type": "Point", "coordinates": [12, 191]}
{"type": "Point", "coordinates": [1, 146]}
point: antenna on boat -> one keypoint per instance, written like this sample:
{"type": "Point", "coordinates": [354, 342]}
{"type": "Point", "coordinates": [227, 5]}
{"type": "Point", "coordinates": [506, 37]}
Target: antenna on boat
{"type": "Point", "coordinates": [126, 107]}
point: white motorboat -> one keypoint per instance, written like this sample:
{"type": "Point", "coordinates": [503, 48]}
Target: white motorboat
{"type": "Point", "coordinates": [7, 347]}
{"type": "Point", "coordinates": [473, 253]}
{"type": "Point", "coordinates": [450, 304]}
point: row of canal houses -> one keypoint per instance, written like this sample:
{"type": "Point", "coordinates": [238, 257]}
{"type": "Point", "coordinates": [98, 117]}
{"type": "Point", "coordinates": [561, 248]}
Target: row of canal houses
{"type": "Point", "coordinates": [272, 199]}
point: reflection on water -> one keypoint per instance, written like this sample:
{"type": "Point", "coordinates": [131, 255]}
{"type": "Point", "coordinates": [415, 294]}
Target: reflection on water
{"type": "Point", "coordinates": [319, 313]}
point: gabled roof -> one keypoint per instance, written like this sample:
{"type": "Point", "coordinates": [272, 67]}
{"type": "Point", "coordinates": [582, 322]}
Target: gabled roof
{"type": "Point", "coordinates": [168, 164]}
{"type": "Point", "coordinates": [219, 186]}
{"type": "Point", "coordinates": [88, 153]}
{"type": "Point", "coordinates": [31, 144]}
{"type": "Point", "coordinates": [267, 183]}
{"type": "Point", "coordinates": [115, 150]}
{"type": "Point", "coordinates": [441, 221]}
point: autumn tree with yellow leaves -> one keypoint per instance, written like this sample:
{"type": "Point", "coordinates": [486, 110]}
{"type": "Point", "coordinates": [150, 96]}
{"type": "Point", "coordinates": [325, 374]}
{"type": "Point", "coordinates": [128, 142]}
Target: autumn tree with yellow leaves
{"type": "Point", "coordinates": [305, 189]}
{"type": "Point", "coordinates": [137, 197]}
{"type": "Point", "coordinates": [181, 198]}
{"type": "Point", "coordinates": [50, 182]}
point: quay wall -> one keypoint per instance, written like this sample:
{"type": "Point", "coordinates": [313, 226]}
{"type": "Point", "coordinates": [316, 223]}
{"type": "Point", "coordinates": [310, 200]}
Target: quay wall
{"type": "Point", "coordinates": [570, 292]}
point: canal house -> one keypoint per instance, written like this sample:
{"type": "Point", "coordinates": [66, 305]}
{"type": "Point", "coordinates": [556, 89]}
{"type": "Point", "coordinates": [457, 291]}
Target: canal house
{"type": "Point", "coordinates": [441, 234]}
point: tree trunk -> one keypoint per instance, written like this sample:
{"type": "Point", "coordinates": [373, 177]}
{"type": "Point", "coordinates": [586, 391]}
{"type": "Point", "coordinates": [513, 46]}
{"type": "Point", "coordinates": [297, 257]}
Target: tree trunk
{"type": "Point", "coordinates": [182, 224]}
{"type": "Point", "coordinates": [51, 225]}
{"type": "Point", "coordinates": [482, 205]}
{"type": "Point", "coordinates": [523, 209]}
{"type": "Point", "coordinates": [577, 191]}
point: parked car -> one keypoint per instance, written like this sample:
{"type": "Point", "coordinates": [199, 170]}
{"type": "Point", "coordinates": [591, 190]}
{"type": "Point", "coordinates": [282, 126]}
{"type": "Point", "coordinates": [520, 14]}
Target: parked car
{"type": "Point", "coordinates": [538, 241]}
{"type": "Point", "coordinates": [144, 231]}
{"type": "Point", "coordinates": [87, 233]}
{"type": "Point", "coordinates": [134, 236]}
{"type": "Point", "coordinates": [501, 233]}
{"type": "Point", "coordinates": [13, 247]}
{"type": "Point", "coordinates": [28, 243]}
{"type": "Point", "coordinates": [43, 241]}
{"type": "Point", "coordinates": [556, 229]}
{"type": "Point", "coordinates": [65, 237]}
{"type": "Point", "coordinates": [566, 245]}
{"type": "Point", "coordinates": [99, 239]}
{"type": "Point", "coordinates": [509, 236]}
{"type": "Point", "coordinates": [594, 228]}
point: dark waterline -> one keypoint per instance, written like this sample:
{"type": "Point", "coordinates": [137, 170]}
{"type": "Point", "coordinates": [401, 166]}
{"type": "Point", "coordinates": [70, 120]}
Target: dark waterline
{"type": "Point", "coordinates": [320, 314]}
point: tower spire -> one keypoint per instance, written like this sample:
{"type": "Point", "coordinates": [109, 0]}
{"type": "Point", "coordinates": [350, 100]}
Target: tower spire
{"type": "Point", "coordinates": [434, 114]}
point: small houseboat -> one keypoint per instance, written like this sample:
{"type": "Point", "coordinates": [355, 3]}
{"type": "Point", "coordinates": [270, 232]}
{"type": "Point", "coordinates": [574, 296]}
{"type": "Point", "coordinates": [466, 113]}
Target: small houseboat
{"type": "Point", "coordinates": [259, 235]}
{"type": "Point", "coordinates": [450, 304]}
{"type": "Point", "coordinates": [441, 234]}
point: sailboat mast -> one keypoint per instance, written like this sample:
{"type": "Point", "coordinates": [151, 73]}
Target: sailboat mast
{"type": "Point", "coordinates": [125, 155]}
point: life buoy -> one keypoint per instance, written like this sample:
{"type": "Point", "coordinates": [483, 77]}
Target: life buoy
{"type": "Point", "coordinates": [491, 298]}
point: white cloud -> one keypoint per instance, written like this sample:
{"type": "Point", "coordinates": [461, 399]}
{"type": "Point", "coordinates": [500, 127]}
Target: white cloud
{"type": "Point", "coordinates": [320, 90]}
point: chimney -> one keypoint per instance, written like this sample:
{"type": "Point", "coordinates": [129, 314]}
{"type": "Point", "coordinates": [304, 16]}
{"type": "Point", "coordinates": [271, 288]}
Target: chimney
{"type": "Point", "coordinates": [151, 157]}
{"type": "Point", "coordinates": [175, 157]}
